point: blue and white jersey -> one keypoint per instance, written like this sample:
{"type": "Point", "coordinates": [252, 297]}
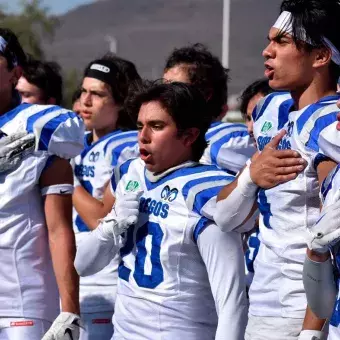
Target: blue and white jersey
{"type": "Point", "coordinates": [93, 169]}
{"type": "Point", "coordinates": [287, 210]}
{"type": "Point", "coordinates": [253, 246]}
{"type": "Point", "coordinates": [230, 146]}
{"type": "Point", "coordinates": [330, 193]}
{"type": "Point", "coordinates": [162, 269]}
{"type": "Point", "coordinates": [28, 286]}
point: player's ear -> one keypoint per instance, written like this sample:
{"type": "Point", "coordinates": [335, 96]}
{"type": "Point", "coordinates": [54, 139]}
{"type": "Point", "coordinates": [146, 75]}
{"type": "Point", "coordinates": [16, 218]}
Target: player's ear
{"type": "Point", "coordinates": [323, 57]}
{"type": "Point", "coordinates": [190, 135]}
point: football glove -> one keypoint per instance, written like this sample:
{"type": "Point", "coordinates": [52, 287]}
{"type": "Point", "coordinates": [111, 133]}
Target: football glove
{"type": "Point", "coordinates": [13, 148]}
{"type": "Point", "coordinates": [123, 214]}
{"type": "Point", "coordinates": [326, 232]}
{"type": "Point", "coordinates": [65, 327]}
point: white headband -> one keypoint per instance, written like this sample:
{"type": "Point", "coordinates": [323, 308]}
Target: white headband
{"type": "Point", "coordinates": [284, 24]}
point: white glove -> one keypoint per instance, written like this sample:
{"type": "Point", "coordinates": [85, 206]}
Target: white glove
{"type": "Point", "coordinates": [312, 335]}
{"type": "Point", "coordinates": [13, 148]}
{"type": "Point", "coordinates": [65, 327]}
{"type": "Point", "coordinates": [123, 214]}
{"type": "Point", "coordinates": [326, 232]}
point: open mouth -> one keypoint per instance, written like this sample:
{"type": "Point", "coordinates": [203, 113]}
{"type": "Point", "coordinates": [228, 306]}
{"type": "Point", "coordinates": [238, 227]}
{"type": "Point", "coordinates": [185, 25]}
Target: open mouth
{"type": "Point", "coordinates": [269, 71]}
{"type": "Point", "coordinates": [144, 154]}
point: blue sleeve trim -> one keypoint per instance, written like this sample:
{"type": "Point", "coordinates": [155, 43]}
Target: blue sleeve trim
{"type": "Point", "coordinates": [117, 151]}
{"type": "Point", "coordinates": [50, 127]}
{"type": "Point", "coordinates": [216, 146]}
{"type": "Point", "coordinates": [203, 196]}
{"type": "Point", "coordinates": [327, 184]}
{"type": "Point", "coordinates": [284, 110]}
{"type": "Point", "coordinates": [200, 227]}
{"type": "Point", "coordinates": [123, 169]}
{"type": "Point", "coordinates": [320, 124]}
{"type": "Point", "coordinates": [319, 159]}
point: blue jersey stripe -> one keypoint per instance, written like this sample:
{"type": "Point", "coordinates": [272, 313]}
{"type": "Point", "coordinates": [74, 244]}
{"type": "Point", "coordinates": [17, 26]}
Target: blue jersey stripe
{"type": "Point", "coordinates": [217, 145]}
{"type": "Point", "coordinates": [319, 125]}
{"type": "Point", "coordinates": [222, 127]}
{"type": "Point", "coordinates": [267, 100]}
{"type": "Point", "coordinates": [5, 118]}
{"type": "Point", "coordinates": [89, 147]}
{"type": "Point", "coordinates": [264, 208]}
{"type": "Point", "coordinates": [328, 184]}
{"type": "Point", "coordinates": [123, 169]}
{"type": "Point", "coordinates": [203, 196]}
{"type": "Point", "coordinates": [50, 127]}
{"type": "Point", "coordinates": [41, 113]}
{"type": "Point", "coordinates": [301, 121]}
{"type": "Point", "coordinates": [200, 226]}
{"type": "Point", "coordinates": [118, 150]}
{"type": "Point", "coordinates": [284, 110]}
{"type": "Point", "coordinates": [121, 136]}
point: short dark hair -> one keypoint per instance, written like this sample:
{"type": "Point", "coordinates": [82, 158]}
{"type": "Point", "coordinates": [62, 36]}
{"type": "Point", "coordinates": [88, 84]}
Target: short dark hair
{"type": "Point", "coordinates": [260, 86]}
{"type": "Point", "coordinates": [125, 75]}
{"type": "Point", "coordinates": [183, 102]}
{"type": "Point", "coordinates": [314, 20]}
{"type": "Point", "coordinates": [14, 54]}
{"type": "Point", "coordinates": [204, 71]}
{"type": "Point", "coordinates": [46, 75]}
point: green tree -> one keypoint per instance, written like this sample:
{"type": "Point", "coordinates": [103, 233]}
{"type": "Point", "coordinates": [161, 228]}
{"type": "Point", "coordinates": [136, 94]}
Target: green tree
{"type": "Point", "coordinates": [31, 25]}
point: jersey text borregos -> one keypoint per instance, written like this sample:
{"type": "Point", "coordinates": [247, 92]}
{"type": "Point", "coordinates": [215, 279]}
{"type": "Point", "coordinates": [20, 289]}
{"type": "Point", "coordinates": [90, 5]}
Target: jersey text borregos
{"type": "Point", "coordinates": [162, 277]}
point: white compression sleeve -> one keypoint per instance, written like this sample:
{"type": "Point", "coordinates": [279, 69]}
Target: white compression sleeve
{"type": "Point", "coordinates": [222, 254]}
{"type": "Point", "coordinates": [231, 212]}
{"type": "Point", "coordinates": [319, 283]}
{"type": "Point", "coordinates": [96, 251]}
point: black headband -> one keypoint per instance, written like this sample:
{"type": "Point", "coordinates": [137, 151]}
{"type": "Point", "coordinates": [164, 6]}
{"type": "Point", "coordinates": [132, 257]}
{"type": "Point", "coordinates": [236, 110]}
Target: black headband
{"type": "Point", "coordinates": [100, 71]}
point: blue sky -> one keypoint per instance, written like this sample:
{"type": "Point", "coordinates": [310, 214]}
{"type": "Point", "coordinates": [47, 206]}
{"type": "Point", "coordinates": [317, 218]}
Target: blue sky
{"type": "Point", "coordinates": [56, 6]}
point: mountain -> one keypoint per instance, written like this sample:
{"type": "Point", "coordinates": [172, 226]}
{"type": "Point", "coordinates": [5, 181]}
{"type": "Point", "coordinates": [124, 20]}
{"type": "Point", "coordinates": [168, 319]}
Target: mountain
{"type": "Point", "coordinates": [146, 31]}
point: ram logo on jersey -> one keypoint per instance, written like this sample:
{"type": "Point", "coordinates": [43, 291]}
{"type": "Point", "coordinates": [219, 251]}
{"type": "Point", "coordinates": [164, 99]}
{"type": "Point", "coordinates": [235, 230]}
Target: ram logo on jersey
{"type": "Point", "coordinates": [153, 207]}
{"type": "Point", "coordinates": [94, 156]}
{"type": "Point", "coordinates": [168, 194]}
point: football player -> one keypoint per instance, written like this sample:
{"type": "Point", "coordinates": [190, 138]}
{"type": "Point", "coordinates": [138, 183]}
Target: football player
{"type": "Point", "coordinates": [229, 145]}
{"type": "Point", "coordinates": [37, 243]}
{"type": "Point", "coordinates": [302, 58]}
{"type": "Point", "coordinates": [103, 91]}
{"type": "Point", "coordinates": [180, 276]}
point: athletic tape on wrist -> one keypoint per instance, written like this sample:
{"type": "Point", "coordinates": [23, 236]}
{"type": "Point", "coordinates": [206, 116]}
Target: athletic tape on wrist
{"type": "Point", "coordinates": [245, 184]}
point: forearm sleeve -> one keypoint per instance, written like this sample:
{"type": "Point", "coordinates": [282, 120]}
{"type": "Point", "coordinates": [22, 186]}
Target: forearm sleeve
{"type": "Point", "coordinates": [232, 212]}
{"type": "Point", "coordinates": [319, 283]}
{"type": "Point", "coordinates": [223, 257]}
{"type": "Point", "coordinates": [95, 252]}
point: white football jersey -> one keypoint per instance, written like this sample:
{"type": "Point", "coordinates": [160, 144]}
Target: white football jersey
{"type": "Point", "coordinates": [28, 286]}
{"type": "Point", "coordinates": [93, 168]}
{"type": "Point", "coordinates": [287, 210]}
{"type": "Point", "coordinates": [229, 148]}
{"type": "Point", "coordinates": [163, 284]}
{"type": "Point", "coordinates": [330, 193]}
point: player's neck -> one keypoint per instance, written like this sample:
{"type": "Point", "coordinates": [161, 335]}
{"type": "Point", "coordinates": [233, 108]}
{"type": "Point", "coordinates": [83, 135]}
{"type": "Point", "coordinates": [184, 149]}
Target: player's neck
{"type": "Point", "coordinates": [313, 93]}
{"type": "Point", "coordinates": [5, 102]}
{"type": "Point", "coordinates": [99, 133]}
